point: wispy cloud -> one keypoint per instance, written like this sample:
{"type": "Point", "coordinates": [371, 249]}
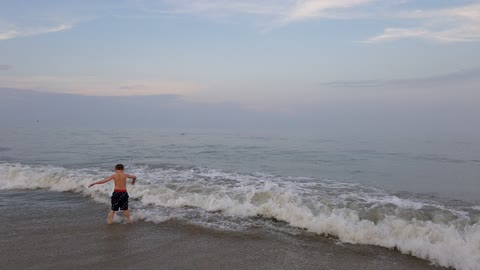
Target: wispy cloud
{"type": "Point", "coordinates": [459, 78]}
{"type": "Point", "coordinates": [455, 24]}
{"type": "Point", "coordinates": [5, 67]}
{"type": "Point", "coordinates": [398, 33]}
{"type": "Point", "coordinates": [94, 86]}
{"type": "Point", "coordinates": [355, 83]}
{"type": "Point", "coordinates": [306, 9]}
{"type": "Point", "coordinates": [285, 11]}
{"type": "Point", "coordinates": [25, 32]}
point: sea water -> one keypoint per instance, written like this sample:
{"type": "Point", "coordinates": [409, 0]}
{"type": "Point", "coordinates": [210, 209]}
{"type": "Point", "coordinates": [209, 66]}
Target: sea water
{"type": "Point", "coordinates": [420, 196]}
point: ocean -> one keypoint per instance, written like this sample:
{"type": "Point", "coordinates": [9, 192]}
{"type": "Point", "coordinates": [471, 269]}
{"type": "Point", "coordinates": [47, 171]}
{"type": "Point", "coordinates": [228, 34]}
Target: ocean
{"type": "Point", "coordinates": [414, 196]}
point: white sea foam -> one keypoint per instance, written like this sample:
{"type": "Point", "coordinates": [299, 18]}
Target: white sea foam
{"type": "Point", "coordinates": [394, 200]}
{"type": "Point", "coordinates": [150, 216]}
{"type": "Point", "coordinates": [206, 196]}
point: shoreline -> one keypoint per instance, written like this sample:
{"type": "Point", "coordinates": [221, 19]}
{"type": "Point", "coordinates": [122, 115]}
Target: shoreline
{"type": "Point", "coordinates": [56, 230]}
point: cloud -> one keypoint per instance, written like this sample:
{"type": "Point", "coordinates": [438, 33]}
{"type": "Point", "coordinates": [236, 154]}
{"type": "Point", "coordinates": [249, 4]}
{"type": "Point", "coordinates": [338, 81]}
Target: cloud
{"type": "Point", "coordinates": [172, 111]}
{"type": "Point", "coordinates": [461, 76]}
{"type": "Point", "coordinates": [166, 111]}
{"type": "Point", "coordinates": [398, 33]}
{"type": "Point", "coordinates": [455, 24]}
{"type": "Point", "coordinates": [355, 83]}
{"type": "Point", "coordinates": [459, 87]}
{"type": "Point", "coordinates": [26, 32]}
{"type": "Point", "coordinates": [5, 67]}
{"type": "Point", "coordinates": [93, 86]}
{"type": "Point", "coordinates": [445, 25]}
{"type": "Point", "coordinates": [318, 8]}
{"type": "Point", "coordinates": [284, 11]}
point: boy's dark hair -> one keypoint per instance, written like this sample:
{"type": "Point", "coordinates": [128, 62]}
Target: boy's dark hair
{"type": "Point", "coordinates": [119, 167]}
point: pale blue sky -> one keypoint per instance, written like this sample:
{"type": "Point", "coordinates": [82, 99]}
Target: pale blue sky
{"type": "Point", "coordinates": [266, 55]}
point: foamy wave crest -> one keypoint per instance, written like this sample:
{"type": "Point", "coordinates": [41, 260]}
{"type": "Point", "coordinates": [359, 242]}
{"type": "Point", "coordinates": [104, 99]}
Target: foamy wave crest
{"type": "Point", "coordinates": [18, 176]}
{"type": "Point", "coordinates": [446, 235]}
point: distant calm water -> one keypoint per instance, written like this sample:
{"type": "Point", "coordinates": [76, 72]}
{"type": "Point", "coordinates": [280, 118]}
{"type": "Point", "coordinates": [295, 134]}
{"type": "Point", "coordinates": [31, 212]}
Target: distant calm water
{"type": "Point", "coordinates": [421, 196]}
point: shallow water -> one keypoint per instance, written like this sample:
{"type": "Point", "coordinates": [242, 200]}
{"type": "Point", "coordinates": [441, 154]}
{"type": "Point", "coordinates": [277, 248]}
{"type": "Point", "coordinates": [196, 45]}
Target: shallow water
{"type": "Point", "coordinates": [418, 196]}
{"type": "Point", "coordinates": [74, 235]}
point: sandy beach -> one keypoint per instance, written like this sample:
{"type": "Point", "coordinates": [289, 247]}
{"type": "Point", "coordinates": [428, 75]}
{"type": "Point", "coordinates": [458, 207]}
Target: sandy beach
{"type": "Point", "coordinates": [50, 230]}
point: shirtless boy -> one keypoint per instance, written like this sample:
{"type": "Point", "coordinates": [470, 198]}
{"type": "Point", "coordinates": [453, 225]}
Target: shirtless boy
{"type": "Point", "coordinates": [119, 195]}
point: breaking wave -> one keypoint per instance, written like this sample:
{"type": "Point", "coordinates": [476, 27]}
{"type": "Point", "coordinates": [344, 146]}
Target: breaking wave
{"type": "Point", "coordinates": [446, 235]}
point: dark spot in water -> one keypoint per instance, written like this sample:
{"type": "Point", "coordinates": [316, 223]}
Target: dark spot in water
{"type": "Point", "coordinates": [4, 149]}
{"type": "Point", "coordinates": [207, 152]}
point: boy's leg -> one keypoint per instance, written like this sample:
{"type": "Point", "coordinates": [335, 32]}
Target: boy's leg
{"type": "Point", "coordinates": [127, 215]}
{"type": "Point", "coordinates": [110, 216]}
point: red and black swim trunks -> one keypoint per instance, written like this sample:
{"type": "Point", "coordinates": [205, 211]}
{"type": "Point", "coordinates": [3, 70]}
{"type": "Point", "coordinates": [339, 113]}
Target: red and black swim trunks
{"type": "Point", "coordinates": [119, 200]}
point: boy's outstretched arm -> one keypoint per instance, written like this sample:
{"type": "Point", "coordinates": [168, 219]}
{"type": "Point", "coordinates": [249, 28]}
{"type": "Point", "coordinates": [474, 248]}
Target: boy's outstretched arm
{"type": "Point", "coordinates": [101, 181]}
{"type": "Point", "coordinates": [132, 177]}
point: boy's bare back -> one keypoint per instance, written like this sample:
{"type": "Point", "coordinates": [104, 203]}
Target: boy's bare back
{"type": "Point", "coordinates": [120, 179]}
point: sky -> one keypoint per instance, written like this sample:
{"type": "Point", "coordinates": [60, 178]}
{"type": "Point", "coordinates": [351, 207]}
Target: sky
{"type": "Point", "coordinates": [294, 58]}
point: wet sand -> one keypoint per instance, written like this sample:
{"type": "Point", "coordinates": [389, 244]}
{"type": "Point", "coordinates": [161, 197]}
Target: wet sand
{"type": "Point", "coordinates": [50, 230]}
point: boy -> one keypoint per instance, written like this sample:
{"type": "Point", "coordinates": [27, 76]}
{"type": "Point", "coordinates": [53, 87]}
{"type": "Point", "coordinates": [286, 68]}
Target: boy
{"type": "Point", "coordinates": [120, 195]}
